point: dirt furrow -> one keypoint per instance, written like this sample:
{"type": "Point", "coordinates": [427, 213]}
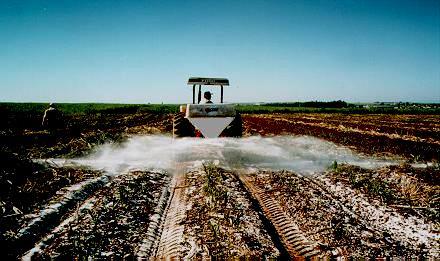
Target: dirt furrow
{"type": "Point", "coordinates": [374, 132]}
{"type": "Point", "coordinates": [39, 247]}
{"type": "Point", "coordinates": [410, 122]}
{"type": "Point", "coordinates": [52, 214]}
{"type": "Point", "coordinates": [111, 224]}
{"type": "Point", "coordinates": [365, 142]}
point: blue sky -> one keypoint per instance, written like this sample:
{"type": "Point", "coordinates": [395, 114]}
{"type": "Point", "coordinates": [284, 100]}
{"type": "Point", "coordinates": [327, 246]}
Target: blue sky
{"type": "Point", "coordinates": [144, 51]}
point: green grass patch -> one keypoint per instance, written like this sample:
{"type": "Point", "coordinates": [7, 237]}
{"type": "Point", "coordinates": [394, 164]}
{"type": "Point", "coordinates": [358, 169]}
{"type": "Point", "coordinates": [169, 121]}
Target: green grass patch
{"type": "Point", "coordinates": [365, 180]}
{"type": "Point", "coordinates": [213, 186]}
{"type": "Point", "coordinates": [374, 186]}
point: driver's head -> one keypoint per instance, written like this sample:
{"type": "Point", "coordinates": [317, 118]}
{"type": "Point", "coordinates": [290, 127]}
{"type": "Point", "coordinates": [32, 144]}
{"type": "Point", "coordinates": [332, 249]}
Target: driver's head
{"type": "Point", "coordinates": [207, 95]}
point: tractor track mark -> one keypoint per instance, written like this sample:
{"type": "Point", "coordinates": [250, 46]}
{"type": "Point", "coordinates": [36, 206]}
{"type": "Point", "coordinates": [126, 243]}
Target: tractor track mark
{"type": "Point", "coordinates": [172, 227]}
{"type": "Point", "coordinates": [155, 227]}
{"type": "Point", "coordinates": [293, 239]}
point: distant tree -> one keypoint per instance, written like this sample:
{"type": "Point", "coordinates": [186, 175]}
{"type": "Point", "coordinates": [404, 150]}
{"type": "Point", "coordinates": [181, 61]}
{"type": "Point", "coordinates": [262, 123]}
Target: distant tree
{"type": "Point", "coordinates": [311, 104]}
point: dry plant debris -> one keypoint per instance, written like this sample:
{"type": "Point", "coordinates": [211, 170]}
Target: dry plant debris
{"type": "Point", "coordinates": [349, 220]}
{"type": "Point", "coordinates": [114, 224]}
{"type": "Point", "coordinates": [221, 221]}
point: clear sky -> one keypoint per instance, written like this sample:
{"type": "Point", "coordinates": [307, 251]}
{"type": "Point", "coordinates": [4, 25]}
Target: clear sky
{"type": "Point", "coordinates": [144, 51]}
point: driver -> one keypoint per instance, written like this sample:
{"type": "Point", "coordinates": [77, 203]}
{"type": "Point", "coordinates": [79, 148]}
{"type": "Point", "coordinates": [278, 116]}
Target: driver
{"type": "Point", "coordinates": [207, 96]}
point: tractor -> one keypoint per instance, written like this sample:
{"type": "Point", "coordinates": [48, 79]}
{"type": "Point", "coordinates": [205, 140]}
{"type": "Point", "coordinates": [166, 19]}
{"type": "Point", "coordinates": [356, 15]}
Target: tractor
{"type": "Point", "coordinates": [208, 120]}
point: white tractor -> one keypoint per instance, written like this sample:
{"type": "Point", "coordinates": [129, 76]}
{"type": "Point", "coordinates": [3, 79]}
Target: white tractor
{"type": "Point", "coordinates": [208, 120]}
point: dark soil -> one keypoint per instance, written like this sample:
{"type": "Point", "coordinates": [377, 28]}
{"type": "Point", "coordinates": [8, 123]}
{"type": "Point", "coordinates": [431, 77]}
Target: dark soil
{"type": "Point", "coordinates": [25, 186]}
{"type": "Point", "coordinates": [79, 133]}
{"type": "Point", "coordinates": [381, 141]}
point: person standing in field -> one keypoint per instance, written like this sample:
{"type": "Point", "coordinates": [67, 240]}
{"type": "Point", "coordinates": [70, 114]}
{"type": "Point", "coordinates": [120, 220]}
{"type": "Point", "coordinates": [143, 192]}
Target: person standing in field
{"type": "Point", "coordinates": [51, 118]}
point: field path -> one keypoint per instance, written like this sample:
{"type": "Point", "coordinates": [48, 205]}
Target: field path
{"type": "Point", "coordinates": [168, 245]}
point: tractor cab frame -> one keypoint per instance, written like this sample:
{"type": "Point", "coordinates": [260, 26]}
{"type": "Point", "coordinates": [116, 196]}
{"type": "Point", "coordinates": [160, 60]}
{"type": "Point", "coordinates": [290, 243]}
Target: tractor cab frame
{"type": "Point", "coordinates": [194, 81]}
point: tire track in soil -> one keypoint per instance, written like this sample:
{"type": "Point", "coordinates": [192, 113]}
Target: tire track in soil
{"type": "Point", "coordinates": [169, 239]}
{"type": "Point", "coordinates": [169, 243]}
{"type": "Point", "coordinates": [295, 242]}
{"type": "Point", "coordinates": [166, 233]}
{"type": "Point", "coordinates": [156, 224]}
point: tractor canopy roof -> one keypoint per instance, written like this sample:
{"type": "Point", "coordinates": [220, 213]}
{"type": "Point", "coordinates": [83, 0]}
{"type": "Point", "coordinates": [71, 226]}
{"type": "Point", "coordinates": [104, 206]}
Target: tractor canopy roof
{"type": "Point", "coordinates": [208, 81]}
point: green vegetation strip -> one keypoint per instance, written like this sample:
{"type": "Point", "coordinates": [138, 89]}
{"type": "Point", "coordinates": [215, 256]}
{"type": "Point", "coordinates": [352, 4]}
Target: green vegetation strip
{"type": "Point", "coordinates": [292, 107]}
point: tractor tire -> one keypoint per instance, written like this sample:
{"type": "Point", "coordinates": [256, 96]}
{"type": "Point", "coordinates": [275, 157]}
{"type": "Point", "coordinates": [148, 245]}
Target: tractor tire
{"type": "Point", "coordinates": [182, 127]}
{"type": "Point", "coordinates": [235, 129]}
